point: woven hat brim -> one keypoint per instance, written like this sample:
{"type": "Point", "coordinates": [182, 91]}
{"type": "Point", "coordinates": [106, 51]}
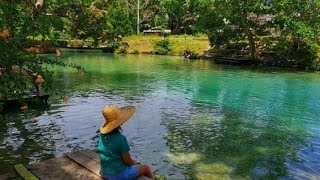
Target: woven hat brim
{"type": "Point", "coordinates": [125, 114]}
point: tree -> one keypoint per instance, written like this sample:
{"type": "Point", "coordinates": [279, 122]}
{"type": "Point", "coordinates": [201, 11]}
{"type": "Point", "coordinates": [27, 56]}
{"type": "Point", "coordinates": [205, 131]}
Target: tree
{"type": "Point", "coordinates": [183, 15]}
{"type": "Point", "coordinates": [119, 18]}
{"type": "Point", "coordinates": [236, 19]}
{"type": "Point", "coordinates": [21, 20]}
{"type": "Point", "coordinates": [288, 24]}
{"type": "Point", "coordinates": [144, 12]}
{"type": "Point", "coordinates": [299, 24]}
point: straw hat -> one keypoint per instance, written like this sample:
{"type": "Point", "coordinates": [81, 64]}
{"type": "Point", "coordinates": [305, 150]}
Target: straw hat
{"type": "Point", "coordinates": [114, 117]}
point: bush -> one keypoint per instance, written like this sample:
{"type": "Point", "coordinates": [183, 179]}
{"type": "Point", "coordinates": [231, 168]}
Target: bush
{"type": "Point", "coordinates": [122, 50]}
{"type": "Point", "coordinates": [111, 46]}
{"type": "Point", "coordinates": [224, 36]}
{"type": "Point", "coordinates": [135, 51]}
{"type": "Point", "coordinates": [162, 47]}
{"type": "Point", "coordinates": [161, 51]}
{"type": "Point", "coordinates": [297, 53]}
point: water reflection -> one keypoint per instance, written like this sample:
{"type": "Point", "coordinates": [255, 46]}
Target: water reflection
{"type": "Point", "coordinates": [194, 120]}
{"type": "Point", "coordinates": [229, 144]}
{"type": "Point", "coordinates": [22, 140]}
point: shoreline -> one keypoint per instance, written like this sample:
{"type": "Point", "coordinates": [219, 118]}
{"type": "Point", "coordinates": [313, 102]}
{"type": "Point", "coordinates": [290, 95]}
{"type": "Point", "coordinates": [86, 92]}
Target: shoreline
{"type": "Point", "coordinates": [204, 57]}
{"type": "Point", "coordinates": [184, 46]}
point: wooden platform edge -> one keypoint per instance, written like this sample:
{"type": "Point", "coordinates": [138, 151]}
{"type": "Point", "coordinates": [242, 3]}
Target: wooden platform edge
{"type": "Point", "coordinates": [24, 173]}
{"type": "Point", "coordinates": [84, 157]}
{"type": "Point", "coordinates": [85, 162]}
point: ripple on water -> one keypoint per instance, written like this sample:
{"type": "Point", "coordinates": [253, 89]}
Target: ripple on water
{"type": "Point", "coordinates": [194, 120]}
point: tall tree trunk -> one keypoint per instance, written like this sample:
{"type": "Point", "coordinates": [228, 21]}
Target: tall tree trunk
{"type": "Point", "coordinates": [247, 31]}
{"type": "Point", "coordinates": [252, 45]}
{"type": "Point", "coordinates": [251, 40]}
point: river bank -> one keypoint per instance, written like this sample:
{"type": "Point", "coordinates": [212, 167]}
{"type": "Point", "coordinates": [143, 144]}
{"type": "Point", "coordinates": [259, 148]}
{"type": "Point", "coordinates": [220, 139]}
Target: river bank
{"type": "Point", "coordinates": [198, 45]}
{"type": "Point", "coordinates": [190, 47]}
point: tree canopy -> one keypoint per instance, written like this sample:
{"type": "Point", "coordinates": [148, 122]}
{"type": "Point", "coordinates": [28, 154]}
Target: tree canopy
{"type": "Point", "coordinates": [286, 31]}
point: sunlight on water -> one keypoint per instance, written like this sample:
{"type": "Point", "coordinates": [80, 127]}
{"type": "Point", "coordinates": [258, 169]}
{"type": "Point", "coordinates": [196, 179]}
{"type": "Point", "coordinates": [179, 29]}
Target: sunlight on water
{"type": "Point", "coordinates": [194, 119]}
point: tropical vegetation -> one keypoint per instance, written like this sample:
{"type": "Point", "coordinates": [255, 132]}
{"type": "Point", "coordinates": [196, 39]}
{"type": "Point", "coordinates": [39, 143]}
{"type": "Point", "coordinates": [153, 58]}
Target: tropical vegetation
{"type": "Point", "coordinates": [279, 33]}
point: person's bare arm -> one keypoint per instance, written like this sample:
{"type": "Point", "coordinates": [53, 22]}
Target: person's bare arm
{"type": "Point", "coordinates": [128, 160]}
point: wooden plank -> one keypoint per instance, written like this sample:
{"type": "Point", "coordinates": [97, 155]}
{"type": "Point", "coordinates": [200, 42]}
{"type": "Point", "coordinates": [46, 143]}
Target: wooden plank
{"type": "Point", "coordinates": [91, 154]}
{"type": "Point", "coordinates": [61, 168]}
{"type": "Point", "coordinates": [85, 161]}
{"type": "Point", "coordinates": [83, 165]}
{"type": "Point", "coordinates": [27, 175]}
{"type": "Point", "coordinates": [9, 175]}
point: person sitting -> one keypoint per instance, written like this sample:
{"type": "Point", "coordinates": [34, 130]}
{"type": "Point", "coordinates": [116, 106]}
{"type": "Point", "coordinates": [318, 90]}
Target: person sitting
{"type": "Point", "coordinates": [115, 160]}
{"type": "Point", "coordinates": [38, 79]}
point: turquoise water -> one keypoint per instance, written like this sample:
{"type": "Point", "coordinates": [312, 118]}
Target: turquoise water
{"type": "Point", "coordinates": [194, 119]}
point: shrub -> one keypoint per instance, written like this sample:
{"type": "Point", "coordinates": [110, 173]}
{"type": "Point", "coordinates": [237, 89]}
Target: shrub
{"type": "Point", "coordinates": [135, 51]}
{"type": "Point", "coordinates": [224, 36]}
{"type": "Point", "coordinates": [122, 50]}
{"type": "Point", "coordinates": [111, 46]}
{"type": "Point", "coordinates": [298, 53]}
{"type": "Point", "coordinates": [162, 47]}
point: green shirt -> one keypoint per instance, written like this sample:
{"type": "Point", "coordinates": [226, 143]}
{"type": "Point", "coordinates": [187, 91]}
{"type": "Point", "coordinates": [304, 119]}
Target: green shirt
{"type": "Point", "coordinates": [111, 147]}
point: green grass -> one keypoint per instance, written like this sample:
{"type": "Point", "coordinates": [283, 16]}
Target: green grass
{"type": "Point", "coordinates": [145, 44]}
{"type": "Point", "coordinates": [179, 43]}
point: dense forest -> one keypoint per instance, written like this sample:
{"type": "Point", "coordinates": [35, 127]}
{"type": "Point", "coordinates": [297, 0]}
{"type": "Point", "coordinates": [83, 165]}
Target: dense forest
{"type": "Point", "coordinates": [280, 33]}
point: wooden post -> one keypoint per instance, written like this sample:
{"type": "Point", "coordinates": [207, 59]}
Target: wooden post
{"type": "Point", "coordinates": [138, 17]}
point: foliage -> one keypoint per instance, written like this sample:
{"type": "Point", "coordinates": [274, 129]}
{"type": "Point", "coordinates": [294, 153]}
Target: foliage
{"type": "Point", "coordinates": [135, 51]}
{"type": "Point", "coordinates": [296, 53]}
{"type": "Point", "coordinates": [286, 23]}
{"type": "Point", "coordinates": [179, 43]}
{"type": "Point", "coordinates": [16, 64]}
{"type": "Point", "coordinates": [224, 22]}
{"type": "Point", "coordinates": [112, 45]}
{"type": "Point", "coordinates": [299, 24]}
{"type": "Point", "coordinates": [151, 13]}
{"type": "Point", "coordinates": [118, 19]}
{"type": "Point", "coordinates": [183, 15]}
{"type": "Point", "coordinates": [162, 47]}
{"type": "Point", "coordinates": [122, 49]}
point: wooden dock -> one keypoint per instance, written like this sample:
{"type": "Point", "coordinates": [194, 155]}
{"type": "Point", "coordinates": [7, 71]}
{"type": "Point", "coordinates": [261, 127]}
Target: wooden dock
{"type": "Point", "coordinates": [80, 165]}
{"type": "Point", "coordinates": [232, 60]}
{"type": "Point", "coordinates": [31, 100]}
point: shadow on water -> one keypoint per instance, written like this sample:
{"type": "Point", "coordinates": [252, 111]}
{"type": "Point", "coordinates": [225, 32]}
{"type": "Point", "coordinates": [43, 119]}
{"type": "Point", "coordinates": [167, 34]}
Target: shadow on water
{"type": "Point", "coordinates": [219, 143]}
{"type": "Point", "coordinates": [253, 128]}
{"type": "Point", "coordinates": [25, 140]}
{"type": "Point", "coordinates": [192, 117]}
{"type": "Point", "coordinates": [22, 141]}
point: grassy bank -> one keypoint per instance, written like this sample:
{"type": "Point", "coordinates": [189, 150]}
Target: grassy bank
{"type": "Point", "coordinates": [145, 44]}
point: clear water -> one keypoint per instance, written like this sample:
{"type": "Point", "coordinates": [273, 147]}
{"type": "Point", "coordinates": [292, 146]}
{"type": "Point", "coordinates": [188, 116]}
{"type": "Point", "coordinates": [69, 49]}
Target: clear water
{"type": "Point", "coordinates": [194, 119]}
